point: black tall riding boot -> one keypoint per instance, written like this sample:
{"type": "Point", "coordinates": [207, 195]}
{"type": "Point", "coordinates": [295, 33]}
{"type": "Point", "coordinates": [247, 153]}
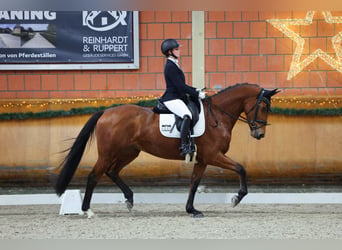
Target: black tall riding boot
{"type": "Point", "coordinates": [185, 136]}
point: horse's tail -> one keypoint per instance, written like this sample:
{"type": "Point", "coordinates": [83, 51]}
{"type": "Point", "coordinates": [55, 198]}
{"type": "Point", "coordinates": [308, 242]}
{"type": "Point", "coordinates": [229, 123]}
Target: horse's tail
{"type": "Point", "coordinates": [71, 161]}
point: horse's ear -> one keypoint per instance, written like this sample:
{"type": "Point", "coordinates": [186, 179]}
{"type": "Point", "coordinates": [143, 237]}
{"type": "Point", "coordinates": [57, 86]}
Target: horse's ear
{"type": "Point", "coordinates": [269, 93]}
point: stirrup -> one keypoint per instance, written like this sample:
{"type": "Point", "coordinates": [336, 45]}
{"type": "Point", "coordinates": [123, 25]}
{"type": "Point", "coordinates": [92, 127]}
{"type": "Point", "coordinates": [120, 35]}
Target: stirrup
{"type": "Point", "coordinates": [188, 158]}
{"type": "Point", "coordinates": [192, 157]}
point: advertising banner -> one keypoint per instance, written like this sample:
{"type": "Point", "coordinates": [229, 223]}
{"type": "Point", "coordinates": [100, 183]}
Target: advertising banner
{"type": "Point", "coordinates": [69, 39]}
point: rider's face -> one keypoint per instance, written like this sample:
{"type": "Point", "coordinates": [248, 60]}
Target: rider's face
{"type": "Point", "coordinates": [176, 52]}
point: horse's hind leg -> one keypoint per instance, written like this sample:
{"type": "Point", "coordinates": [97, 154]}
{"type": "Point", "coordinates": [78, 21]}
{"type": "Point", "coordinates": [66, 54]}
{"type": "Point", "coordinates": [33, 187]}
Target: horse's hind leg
{"type": "Point", "coordinates": [93, 179]}
{"type": "Point", "coordinates": [113, 173]}
{"type": "Point", "coordinates": [88, 194]}
{"type": "Point", "coordinates": [128, 193]}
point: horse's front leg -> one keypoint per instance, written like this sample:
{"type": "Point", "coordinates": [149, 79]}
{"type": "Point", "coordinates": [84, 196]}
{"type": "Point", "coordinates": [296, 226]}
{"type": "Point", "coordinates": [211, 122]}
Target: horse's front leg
{"type": "Point", "coordinates": [224, 162]}
{"type": "Point", "coordinates": [243, 186]}
{"type": "Point", "coordinates": [196, 177]}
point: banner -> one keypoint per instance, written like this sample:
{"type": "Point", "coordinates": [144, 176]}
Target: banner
{"type": "Point", "coordinates": [68, 39]}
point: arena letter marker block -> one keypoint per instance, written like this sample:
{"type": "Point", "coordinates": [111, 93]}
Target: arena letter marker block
{"type": "Point", "coordinates": [71, 202]}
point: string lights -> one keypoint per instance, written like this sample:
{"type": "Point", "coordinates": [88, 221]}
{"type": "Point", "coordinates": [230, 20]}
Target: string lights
{"type": "Point", "coordinates": [307, 102]}
{"type": "Point", "coordinates": [34, 106]}
{"type": "Point", "coordinates": [65, 104]}
{"type": "Point", "coordinates": [297, 65]}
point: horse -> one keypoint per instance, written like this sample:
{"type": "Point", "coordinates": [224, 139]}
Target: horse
{"type": "Point", "coordinates": [124, 131]}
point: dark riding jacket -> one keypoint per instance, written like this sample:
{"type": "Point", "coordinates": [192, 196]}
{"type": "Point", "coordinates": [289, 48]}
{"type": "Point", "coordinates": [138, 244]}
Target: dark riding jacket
{"type": "Point", "coordinates": [176, 88]}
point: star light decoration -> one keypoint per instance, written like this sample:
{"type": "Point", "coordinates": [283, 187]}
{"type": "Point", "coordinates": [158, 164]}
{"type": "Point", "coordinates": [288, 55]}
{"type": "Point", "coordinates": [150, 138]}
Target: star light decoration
{"type": "Point", "coordinates": [297, 65]}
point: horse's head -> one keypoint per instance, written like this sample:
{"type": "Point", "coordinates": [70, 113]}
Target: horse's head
{"type": "Point", "coordinates": [257, 110]}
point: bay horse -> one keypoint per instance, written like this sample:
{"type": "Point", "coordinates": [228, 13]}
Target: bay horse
{"type": "Point", "coordinates": [122, 132]}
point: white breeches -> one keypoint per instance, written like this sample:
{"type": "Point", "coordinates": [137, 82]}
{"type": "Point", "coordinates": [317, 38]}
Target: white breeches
{"type": "Point", "coordinates": [178, 107]}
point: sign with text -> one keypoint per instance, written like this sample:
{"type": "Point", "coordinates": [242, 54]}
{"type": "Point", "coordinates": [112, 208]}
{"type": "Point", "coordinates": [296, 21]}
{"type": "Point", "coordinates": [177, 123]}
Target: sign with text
{"type": "Point", "coordinates": [69, 40]}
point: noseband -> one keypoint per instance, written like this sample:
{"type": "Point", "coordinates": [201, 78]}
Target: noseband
{"type": "Point", "coordinates": [253, 124]}
{"type": "Point", "coordinates": [256, 106]}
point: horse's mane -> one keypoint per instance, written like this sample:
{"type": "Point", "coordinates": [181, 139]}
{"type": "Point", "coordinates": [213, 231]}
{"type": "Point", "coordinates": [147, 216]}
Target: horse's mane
{"type": "Point", "coordinates": [235, 86]}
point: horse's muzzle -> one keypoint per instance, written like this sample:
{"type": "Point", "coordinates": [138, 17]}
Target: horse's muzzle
{"type": "Point", "coordinates": [257, 134]}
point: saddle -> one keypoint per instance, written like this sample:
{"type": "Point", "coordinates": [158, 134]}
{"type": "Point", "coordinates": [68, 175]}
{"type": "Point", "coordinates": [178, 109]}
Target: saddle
{"type": "Point", "coordinates": [169, 121]}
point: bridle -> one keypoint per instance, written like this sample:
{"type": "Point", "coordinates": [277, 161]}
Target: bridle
{"type": "Point", "coordinates": [253, 124]}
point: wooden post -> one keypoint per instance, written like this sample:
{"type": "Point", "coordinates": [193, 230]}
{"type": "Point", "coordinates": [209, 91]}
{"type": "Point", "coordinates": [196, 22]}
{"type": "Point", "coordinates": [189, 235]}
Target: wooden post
{"type": "Point", "coordinates": [198, 63]}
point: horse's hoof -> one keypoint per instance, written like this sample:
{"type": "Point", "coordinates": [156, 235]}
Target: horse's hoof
{"type": "Point", "coordinates": [90, 214]}
{"type": "Point", "coordinates": [200, 215]}
{"type": "Point", "coordinates": [235, 201]}
{"type": "Point", "coordinates": [197, 215]}
{"type": "Point", "coordinates": [129, 205]}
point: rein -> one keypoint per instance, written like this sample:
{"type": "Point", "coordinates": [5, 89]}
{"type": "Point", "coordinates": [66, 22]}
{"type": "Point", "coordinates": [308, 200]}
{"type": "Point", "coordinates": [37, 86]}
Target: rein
{"type": "Point", "coordinates": [241, 118]}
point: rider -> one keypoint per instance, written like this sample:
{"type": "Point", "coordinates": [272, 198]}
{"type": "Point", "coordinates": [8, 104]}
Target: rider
{"type": "Point", "coordinates": [177, 90]}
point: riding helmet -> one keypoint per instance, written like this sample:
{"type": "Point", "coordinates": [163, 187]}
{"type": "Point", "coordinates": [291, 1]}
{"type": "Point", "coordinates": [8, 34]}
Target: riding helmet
{"type": "Point", "coordinates": [168, 45]}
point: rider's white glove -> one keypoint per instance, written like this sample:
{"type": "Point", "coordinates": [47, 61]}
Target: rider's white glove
{"type": "Point", "coordinates": [201, 94]}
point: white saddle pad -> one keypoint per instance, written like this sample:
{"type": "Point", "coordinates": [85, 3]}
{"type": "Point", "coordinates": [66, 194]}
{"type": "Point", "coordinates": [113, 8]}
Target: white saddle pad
{"type": "Point", "coordinates": [168, 128]}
